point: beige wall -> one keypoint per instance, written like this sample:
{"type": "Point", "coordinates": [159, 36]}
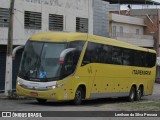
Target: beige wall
{"type": "Point", "coordinates": [127, 19]}
{"type": "Point", "coordinates": [129, 35]}
{"type": "Point", "coordinates": [128, 28]}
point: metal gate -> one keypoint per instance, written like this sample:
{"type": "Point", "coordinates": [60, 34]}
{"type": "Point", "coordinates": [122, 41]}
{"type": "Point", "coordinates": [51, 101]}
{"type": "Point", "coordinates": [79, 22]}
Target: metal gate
{"type": "Point", "coordinates": [16, 62]}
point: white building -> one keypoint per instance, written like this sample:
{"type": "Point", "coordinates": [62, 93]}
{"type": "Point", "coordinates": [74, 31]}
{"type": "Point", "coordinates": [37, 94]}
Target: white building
{"type": "Point", "coordinates": [32, 16]}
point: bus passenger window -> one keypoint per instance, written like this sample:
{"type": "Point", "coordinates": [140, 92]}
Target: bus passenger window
{"type": "Point", "coordinates": [116, 56]}
{"type": "Point", "coordinates": [92, 53]}
{"type": "Point", "coordinates": [106, 54]}
{"type": "Point", "coordinates": [151, 59]}
{"type": "Point", "coordinates": [138, 59]}
{"type": "Point", "coordinates": [127, 57]}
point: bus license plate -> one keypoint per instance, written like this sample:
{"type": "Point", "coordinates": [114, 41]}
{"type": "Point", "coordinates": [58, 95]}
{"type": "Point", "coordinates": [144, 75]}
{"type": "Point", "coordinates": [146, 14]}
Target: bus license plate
{"type": "Point", "coordinates": [34, 94]}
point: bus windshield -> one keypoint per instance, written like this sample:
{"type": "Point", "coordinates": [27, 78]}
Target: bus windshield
{"type": "Point", "coordinates": [40, 61]}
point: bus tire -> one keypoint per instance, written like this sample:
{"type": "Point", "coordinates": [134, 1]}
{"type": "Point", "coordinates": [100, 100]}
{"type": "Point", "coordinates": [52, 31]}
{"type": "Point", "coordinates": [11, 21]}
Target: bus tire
{"type": "Point", "coordinates": [139, 93]}
{"type": "Point", "coordinates": [132, 94]}
{"type": "Point", "coordinates": [78, 96]}
{"type": "Point", "coordinates": [41, 101]}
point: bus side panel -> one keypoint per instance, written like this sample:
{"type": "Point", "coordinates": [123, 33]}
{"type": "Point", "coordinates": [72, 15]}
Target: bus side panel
{"type": "Point", "coordinates": [150, 82]}
{"type": "Point", "coordinates": [84, 76]}
{"type": "Point", "coordinates": [112, 79]}
{"type": "Point", "coordinates": [117, 80]}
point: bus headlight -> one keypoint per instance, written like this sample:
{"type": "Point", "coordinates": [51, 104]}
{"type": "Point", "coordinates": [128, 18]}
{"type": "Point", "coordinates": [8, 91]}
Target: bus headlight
{"type": "Point", "coordinates": [53, 87]}
{"type": "Point", "coordinates": [19, 82]}
{"type": "Point", "coordinates": [57, 86]}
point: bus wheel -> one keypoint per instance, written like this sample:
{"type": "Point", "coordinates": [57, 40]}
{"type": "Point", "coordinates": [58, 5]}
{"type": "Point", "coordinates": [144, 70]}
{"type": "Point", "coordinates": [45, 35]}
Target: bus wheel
{"type": "Point", "coordinates": [139, 93]}
{"type": "Point", "coordinates": [78, 96]}
{"type": "Point", "coordinates": [41, 101]}
{"type": "Point", "coordinates": [132, 94]}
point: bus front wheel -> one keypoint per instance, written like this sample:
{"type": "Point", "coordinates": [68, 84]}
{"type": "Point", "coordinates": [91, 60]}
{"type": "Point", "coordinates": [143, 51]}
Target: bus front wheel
{"type": "Point", "coordinates": [78, 96]}
{"type": "Point", "coordinates": [132, 94]}
{"type": "Point", "coordinates": [41, 101]}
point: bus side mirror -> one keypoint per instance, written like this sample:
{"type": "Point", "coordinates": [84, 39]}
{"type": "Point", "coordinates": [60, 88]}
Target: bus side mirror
{"type": "Point", "coordinates": [64, 54]}
{"type": "Point", "coordinates": [15, 50]}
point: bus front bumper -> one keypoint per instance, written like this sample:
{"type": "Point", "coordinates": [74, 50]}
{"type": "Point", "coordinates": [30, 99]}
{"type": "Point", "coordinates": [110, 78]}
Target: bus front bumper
{"type": "Point", "coordinates": [55, 94]}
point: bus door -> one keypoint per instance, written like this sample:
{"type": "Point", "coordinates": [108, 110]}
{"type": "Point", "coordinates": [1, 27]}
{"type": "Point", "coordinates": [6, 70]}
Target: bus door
{"type": "Point", "coordinates": [87, 76]}
{"type": "Point", "coordinates": [90, 63]}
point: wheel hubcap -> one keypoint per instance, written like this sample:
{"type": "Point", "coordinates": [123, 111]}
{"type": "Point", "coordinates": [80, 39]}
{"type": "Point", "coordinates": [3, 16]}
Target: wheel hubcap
{"type": "Point", "coordinates": [139, 94]}
{"type": "Point", "coordinates": [132, 95]}
{"type": "Point", "coordinates": [78, 96]}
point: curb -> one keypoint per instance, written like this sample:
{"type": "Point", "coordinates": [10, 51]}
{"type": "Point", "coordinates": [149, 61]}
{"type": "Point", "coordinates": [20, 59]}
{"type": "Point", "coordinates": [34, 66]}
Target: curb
{"type": "Point", "coordinates": [12, 95]}
{"type": "Point", "coordinates": [157, 81]}
{"type": "Point", "coordinates": [3, 97]}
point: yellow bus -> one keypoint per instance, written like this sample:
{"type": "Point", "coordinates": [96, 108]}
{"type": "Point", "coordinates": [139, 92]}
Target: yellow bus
{"type": "Point", "coordinates": [78, 66]}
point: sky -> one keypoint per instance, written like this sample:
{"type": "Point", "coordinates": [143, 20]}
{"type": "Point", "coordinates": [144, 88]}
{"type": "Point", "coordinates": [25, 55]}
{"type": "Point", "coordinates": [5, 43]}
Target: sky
{"type": "Point", "coordinates": [124, 7]}
{"type": "Point", "coordinates": [157, 0]}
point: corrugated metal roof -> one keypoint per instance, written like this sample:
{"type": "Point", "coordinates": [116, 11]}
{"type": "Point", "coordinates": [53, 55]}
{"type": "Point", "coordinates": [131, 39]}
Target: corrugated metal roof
{"type": "Point", "coordinates": [148, 2]}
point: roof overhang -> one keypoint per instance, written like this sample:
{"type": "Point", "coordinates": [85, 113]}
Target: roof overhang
{"type": "Point", "coordinates": [148, 2]}
{"type": "Point", "coordinates": [143, 25]}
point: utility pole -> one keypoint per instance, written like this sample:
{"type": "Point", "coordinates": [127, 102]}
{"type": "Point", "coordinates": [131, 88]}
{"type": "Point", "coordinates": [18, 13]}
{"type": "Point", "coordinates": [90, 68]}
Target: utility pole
{"type": "Point", "coordinates": [158, 34]}
{"type": "Point", "coordinates": [119, 7]}
{"type": "Point", "coordinates": [8, 75]}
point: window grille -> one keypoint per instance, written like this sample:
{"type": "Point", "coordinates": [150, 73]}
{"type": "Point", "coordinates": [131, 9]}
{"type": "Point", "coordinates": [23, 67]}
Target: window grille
{"type": "Point", "coordinates": [4, 17]}
{"type": "Point", "coordinates": [81, 25]}
{"type": "Point", "coordinates": [55, 22]}
{"type": "Point", "coordinates": [32, 20]}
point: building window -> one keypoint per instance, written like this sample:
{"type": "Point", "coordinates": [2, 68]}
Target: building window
{"type": "Point", "coordinates": [116, 55]}
{"type": "Point", "coordinates": [81, 25]}
{"type": "Point", "coordinates": [121, 30]}
{"type": "Point", "coordinates": [114, 31]}
{"type": "Point", "coordinates": [55, 22]}
{"type": "Point", "coordinates": [4, 17]}
{"type": "Point", "coordinates": [137, 31]}
{"type": "Point", "coordinates": [32, 20]}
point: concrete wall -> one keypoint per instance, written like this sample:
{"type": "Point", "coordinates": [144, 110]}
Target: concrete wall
{"type": "Point", "coordinates": [152, 23]}
{"type": "Point", "coordinates": [138, 42]}
{"type": "Point", "coordinates": [150, 17]}
{"type": "Point", "coordinates": [127, 28]}
{"type": "Point", "coordinates": [130, 25]}
{"type": "Point", "coordinates": [100, 18]}
{"type": "Point", "coordinates": [127, 19]}
{"type": "Point", "coordinates": [141, 12]}
{"type": "Point", "coordinates": [114, 7]}
{"type": "Point", "coordinates": [70, 9]}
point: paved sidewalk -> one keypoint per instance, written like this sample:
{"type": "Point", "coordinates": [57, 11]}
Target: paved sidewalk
{"type": "Point", "coordinates": [13, 97]}
{"type": "Point", "coordinates": [2, 96]}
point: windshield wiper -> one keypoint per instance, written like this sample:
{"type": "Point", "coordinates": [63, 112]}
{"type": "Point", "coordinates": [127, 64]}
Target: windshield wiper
{"type": "Point", "coordinates": [24, 75]}
{"type": "Point", "coordinates": [50, 79]}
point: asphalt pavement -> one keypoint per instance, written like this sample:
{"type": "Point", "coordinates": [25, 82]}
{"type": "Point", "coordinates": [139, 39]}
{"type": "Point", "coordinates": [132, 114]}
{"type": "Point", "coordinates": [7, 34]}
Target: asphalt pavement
{"type": "Point", "coordinates": [108, 104]}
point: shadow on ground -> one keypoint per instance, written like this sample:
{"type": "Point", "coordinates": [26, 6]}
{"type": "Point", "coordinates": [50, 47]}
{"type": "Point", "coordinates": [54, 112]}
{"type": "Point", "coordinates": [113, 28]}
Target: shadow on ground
{"type": "Point", "coordinates": [95, 102]}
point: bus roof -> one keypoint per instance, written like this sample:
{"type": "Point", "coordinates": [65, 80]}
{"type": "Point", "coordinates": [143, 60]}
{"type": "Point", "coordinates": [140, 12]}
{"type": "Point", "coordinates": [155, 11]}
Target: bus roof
{"type": "Point", "coordinates": [59, 36]}
{"type": "Point", "coordinates": [118, 43]}
{"type": "Point", "coordinates": [72, 36]}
